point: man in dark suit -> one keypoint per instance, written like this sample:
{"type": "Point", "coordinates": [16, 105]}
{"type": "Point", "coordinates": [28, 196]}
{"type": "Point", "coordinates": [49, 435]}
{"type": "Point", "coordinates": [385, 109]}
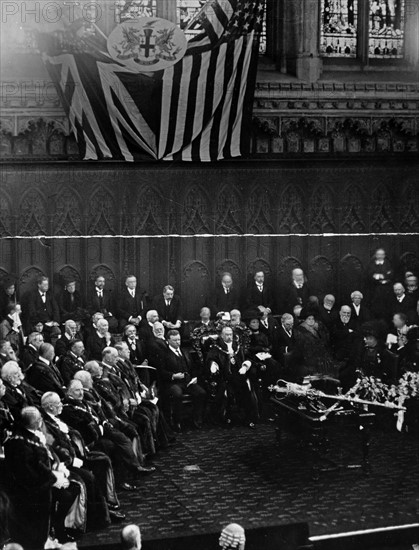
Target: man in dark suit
{"type": "Point", "coordinates": [169, 307]}
{"type": "Point", "coordinates": [72, 362]}
{"type": "Point", "coordinates": [145, 332]}
{"type": "Point", "coordinates": [297, 291]}
{"type": "Point", "coordinates": [360, 313]}
{"type": "Point", "coordinates": [156, 347]}
{"type": "Point", "coordinates": [70, 303]}
{"type": "Point", "coordinates": [328, 314]}
{"type": "Point", "coordinates": [62, 345]}
{"type": "Point", "coordinates": [178, 376]}
{"type": "Point", "coordinates": [411, 285]}
{"type": "Point", "coordinates": [259, 297]}
{"type": "Point", "coordinates": [30, 351]}
{"type": "Point", "coordinates": [137, 353]}
{"type": "Point", "coordinates": [343, 335]}
{"type": "Point", "coordinates": [94, 468]}
{"type": "Point", "coordinates": [98, 433]}
{"type": "Point", "coordinates": [226, 296]}
{"type": "Point", "coordinates": [399, 302]}
{"type": "Point", "coordinates": [19, 393]}
{"type": "Point", "coordinates": [98, 340]}
{"type": "Point", "coordinates": [43, 308]}
{"type": "Point", "coordinates": [43, 374]}
{"type": "Point", "coordinates": [285, 339]}
{"type": "Point", "coordinates": [41, 493]}
{"type": "Point", "coordinates": [100, 300]}
{"type": "Point", "coordinates": [131, 304]}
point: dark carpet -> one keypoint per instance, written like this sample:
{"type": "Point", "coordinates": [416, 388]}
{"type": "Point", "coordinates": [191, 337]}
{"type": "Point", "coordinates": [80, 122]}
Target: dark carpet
{"type": "Point", "coordinates": [219, 475]}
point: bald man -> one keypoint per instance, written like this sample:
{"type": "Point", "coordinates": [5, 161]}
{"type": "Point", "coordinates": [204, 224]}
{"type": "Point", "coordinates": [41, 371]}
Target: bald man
{"type": "Point", "coordinates": [40, 493]}
{"type": "Point", "coordinates": [131, 537]}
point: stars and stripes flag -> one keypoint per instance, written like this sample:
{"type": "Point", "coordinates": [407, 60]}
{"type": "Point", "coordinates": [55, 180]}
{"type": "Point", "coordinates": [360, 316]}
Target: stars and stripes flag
{"type": "Point", "coordinates": [196, 110]}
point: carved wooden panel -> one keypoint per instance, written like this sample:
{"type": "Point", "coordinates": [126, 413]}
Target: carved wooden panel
{"type": "Point", "coordinates": [326, 218]}
{"type": "Point", "coordinates": [321, 276]}
{"type": "Point", "coordinates": [194, 288]}
{"type": "Point", "coordinates": [351, 276]}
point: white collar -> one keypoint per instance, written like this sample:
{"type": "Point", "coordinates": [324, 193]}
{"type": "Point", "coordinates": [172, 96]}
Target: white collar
{"type": "Point", "coordinates": [44, 360]}
{"type": "Point", "coordinates": [175, 350]}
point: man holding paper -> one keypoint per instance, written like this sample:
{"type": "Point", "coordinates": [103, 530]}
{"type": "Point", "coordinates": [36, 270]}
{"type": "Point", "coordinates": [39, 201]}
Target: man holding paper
{"type": "Point", "coordinates": [177, 376]}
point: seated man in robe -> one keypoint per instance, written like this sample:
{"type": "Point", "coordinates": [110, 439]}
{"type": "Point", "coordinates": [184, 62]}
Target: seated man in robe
{"type": "Point", "coordinates": [231, 376]}
{"type": "Point", "coordinates": [42, 492]}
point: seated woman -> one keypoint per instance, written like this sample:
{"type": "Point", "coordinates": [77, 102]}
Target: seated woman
{"type": "Point", "coordinates": [312, 343]}
{"type": "Point", "coordinates": [260, 353]}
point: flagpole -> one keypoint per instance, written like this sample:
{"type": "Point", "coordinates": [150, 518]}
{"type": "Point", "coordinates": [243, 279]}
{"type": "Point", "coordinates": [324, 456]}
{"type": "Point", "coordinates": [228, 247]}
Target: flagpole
{"type": "Point", "coordinates": [197, 16]}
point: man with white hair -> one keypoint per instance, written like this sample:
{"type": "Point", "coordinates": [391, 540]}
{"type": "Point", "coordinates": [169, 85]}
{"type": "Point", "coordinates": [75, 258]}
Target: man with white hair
{"type": "Point", "coordinates": [7, 353]}
{"type": "Point", "coordinates": [98, 433]}
{"type": "Point", "coordinates": [42, 491]}
{"type": "Point", "coordinates": [131, 537]}
{"type": "Point", "coordinates": [62, 345]}
{"type": "Point", "coordinates": [360, 313]}
{"type": "Point", "coordinates": [328, 314]}
{"type": "Point", "coordinates": [18, 394]}
{"type": "Point", "coordinates": [95, 469]}
{"type": "Point", "coordinates": [99, 340]}
{"type": "Point", "coordinates": [157, 346]}
{"type": "Point", "coordinates": [30, 351]}
{"type": "Point", "coordinates": [297, 291]}
{"type": "Point", "coordinates": [226, 365]}
{"type": "Point", "coordinates": [146, 326]}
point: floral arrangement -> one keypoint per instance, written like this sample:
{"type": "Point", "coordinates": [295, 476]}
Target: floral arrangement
{"type": "Point", "coordinates": [373, 389]}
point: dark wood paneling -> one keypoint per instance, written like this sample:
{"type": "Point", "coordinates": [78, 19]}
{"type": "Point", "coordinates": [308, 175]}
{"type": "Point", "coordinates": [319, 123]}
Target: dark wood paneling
{"type": "Point", "coordinates": [186, 225]}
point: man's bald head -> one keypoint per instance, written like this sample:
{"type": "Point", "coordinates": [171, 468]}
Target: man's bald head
{"type": "Point", "coordinates": [131, 537]}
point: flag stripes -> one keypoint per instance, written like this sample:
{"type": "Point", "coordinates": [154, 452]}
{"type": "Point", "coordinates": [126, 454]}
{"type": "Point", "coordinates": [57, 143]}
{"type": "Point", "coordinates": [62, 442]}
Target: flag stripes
{"type": "Point", "coordinates": [196, 110]}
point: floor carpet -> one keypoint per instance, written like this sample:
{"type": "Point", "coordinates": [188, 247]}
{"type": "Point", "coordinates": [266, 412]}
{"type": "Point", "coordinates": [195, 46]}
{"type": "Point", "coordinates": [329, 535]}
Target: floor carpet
{"type": "Point", "coordinates": [219, 475]}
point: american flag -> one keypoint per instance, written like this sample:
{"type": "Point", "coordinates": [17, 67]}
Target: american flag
{"type": "Point", "coordinates": [197, 110]}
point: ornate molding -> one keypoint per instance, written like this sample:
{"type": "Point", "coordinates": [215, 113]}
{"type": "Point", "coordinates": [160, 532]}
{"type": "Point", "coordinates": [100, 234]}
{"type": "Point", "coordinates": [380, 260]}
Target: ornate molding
{"type": "Point", "coordinates": [318, 133]}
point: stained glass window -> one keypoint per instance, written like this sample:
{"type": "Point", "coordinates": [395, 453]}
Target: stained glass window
{"type": "Point", "coordinates": [338, 36]}
{"type": "Point", "coordinates": [131, 9]}
{"type": "Point", "coordinates": [189, 9]}
{"type": "Point", "coordinates": [386, 28]}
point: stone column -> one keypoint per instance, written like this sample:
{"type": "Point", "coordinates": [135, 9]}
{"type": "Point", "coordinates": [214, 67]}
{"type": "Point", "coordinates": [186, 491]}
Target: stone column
{"type": "Point", "coordinates": [411, 39]}
{"type": "Point", "coordinates": [106, 20]}
{"type": "Point", "coordinates": [167, 10]}
{"type": "Point", "coordinates": [308, 62]}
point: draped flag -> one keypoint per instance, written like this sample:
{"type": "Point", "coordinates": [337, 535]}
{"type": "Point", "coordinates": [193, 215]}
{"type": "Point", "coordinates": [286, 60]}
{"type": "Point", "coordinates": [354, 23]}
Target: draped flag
{"type": "Point", "coordinates": [198, 109]}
